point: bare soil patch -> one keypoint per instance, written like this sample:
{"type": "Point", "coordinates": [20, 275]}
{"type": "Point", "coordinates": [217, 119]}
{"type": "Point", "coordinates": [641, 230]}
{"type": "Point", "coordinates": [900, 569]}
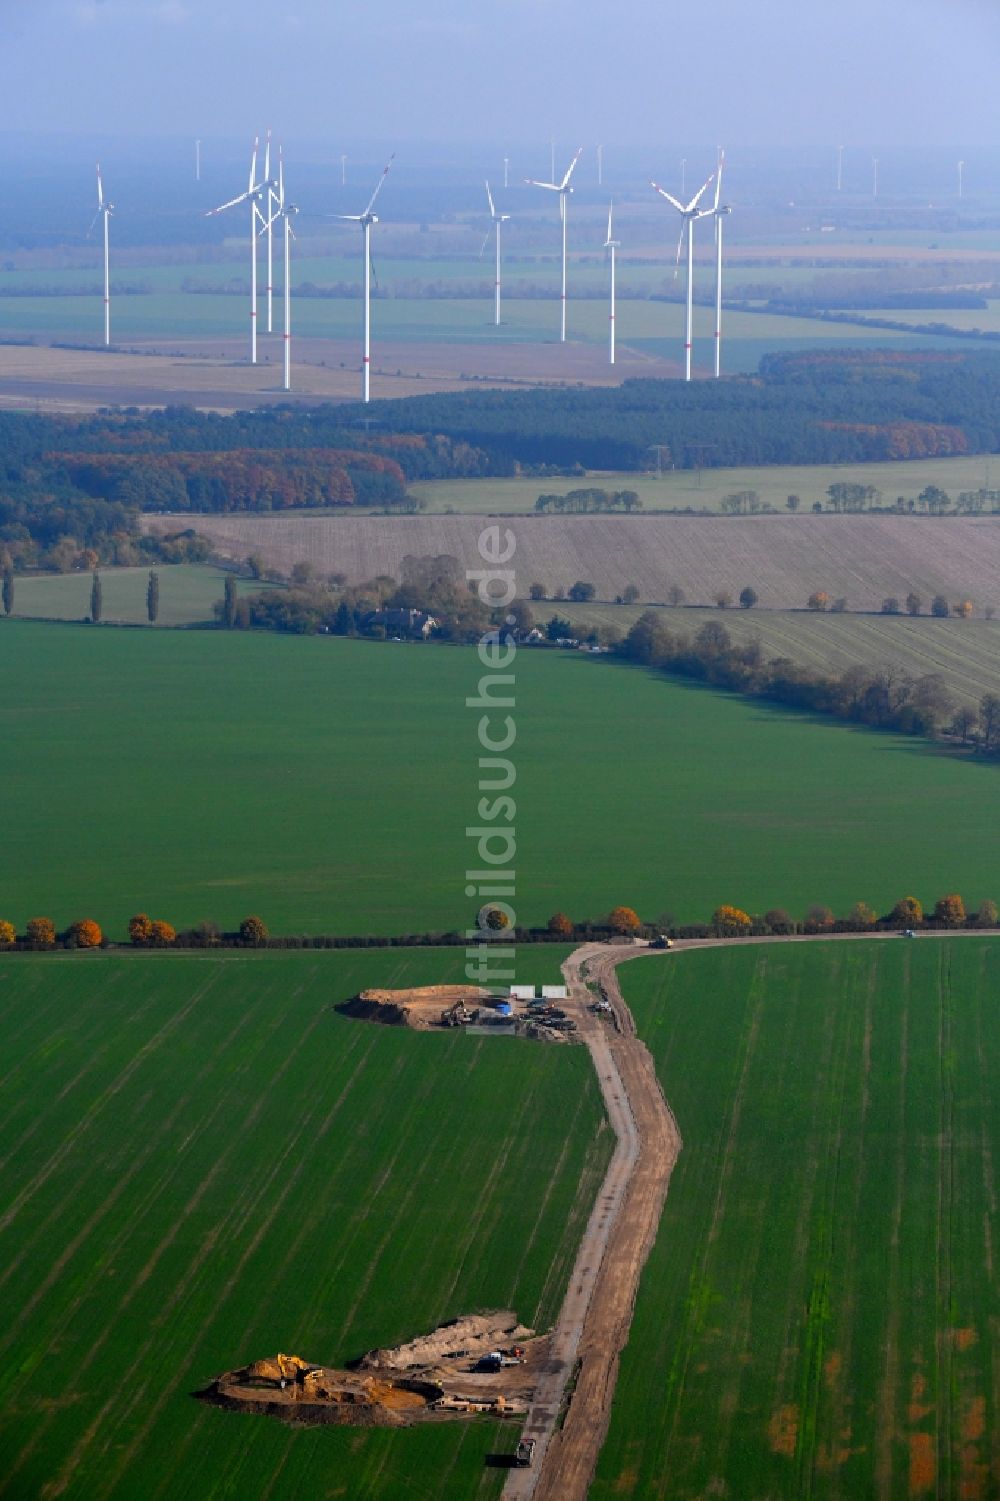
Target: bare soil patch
{"type": "Point", "coordinates": [481, 1363]}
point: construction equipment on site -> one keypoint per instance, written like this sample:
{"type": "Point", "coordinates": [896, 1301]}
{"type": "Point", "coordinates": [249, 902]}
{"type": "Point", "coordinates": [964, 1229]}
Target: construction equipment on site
{"type": "Point", "coordinates": [458, 1015]}
{"type": "Point", "coordinates": [525, 1453]}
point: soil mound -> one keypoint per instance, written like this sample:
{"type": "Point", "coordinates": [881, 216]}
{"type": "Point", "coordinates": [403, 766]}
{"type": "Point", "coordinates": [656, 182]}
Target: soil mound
{"type": "Point", "coordinates": [421, 1006]}
{"type": "Point", "coordinates": [474, 1336]}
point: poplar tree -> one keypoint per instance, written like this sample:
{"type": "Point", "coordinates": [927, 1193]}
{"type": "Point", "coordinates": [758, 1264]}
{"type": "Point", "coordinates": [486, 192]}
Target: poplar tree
{"type": "Point", "coordinates": [95, 599]}
{"type": "Point", "coordinates": [153, 596]}
{"type": "Point", "coordinates": [8, 590]}
{"type": "Point", "coordinates": [229, 603]}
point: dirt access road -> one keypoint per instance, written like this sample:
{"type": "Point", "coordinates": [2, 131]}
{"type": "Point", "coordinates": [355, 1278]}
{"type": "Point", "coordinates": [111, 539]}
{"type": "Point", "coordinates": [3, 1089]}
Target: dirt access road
{"type": "Point", "coordinates": [594, 1320]}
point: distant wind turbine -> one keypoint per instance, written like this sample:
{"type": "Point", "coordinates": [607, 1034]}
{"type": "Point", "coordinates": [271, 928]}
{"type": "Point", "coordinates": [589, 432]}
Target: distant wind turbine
{"type": "Point", "coordinates": [104, 211]}
{"type": "Point", "coordinates": [611, 245]}
{"type": "Point", "coordinates": [961, 179]}
{"type": "Point", "coordinates": [285, 211]}
{"type": "Point", "coordinates": [496, 221]}
{"type": "Point", "coordinates": [719, 211]}
{"type": "Point", "coordinates": [366, 220]}
{"type": "Point", "coordinates": [272, 199]}
{"type": "Point", "coordinates": [563, 189]}
{"type": "Point", "coordinates": [256, 191]}
{"type": "Point", "coordinates": [689, 212]}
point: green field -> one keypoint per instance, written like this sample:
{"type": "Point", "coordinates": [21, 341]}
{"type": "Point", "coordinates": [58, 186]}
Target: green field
{"type": "Point", "coordinates": [817, 1319]}
{"type": "Point", "coordinates": [203, 1164]}
{"type": "Point", "coordinates": [965, 652]}
{"type": "Point", "coordinates": [680, 489]}
{"type": "Point", "coordinates": [328, 784]}
{"type": "Point", "coordinates": [187, 593]}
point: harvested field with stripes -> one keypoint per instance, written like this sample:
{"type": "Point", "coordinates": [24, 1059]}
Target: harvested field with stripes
{"type": "Point", "coordinates": [818, 1317]}
{"type": "Point", "coordinates": [203, 1162]}
{"type": "Point", "coordinates": [785, 558]}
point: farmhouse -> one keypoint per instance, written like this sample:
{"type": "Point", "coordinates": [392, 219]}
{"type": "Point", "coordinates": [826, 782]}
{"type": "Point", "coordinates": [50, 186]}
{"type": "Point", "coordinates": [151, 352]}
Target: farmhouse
{"type": "Point", "coordinates": [413, 624]}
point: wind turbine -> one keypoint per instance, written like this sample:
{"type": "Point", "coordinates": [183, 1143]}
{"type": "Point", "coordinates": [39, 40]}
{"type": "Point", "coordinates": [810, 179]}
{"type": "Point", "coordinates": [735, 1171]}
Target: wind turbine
{"type": "Point", "coordinates": [689, 212]}
{"type": "Point", "coordinates": [719, 211]}
{"type": "Point", "coordinates": [285, 212]}
{"type": "Point", "coordinates": [272, 199]}
{"type": "Point", "coordinates": [253, 195]}
{"type": "Point", "coordinates": [366, 220]}
{"type": "Point", "coordinates": [104, 211]}
{"type": "Point", "coordinates": [961, 179]}
{"type": "Point", "coordinates": [611, 245]}
{"type": "Point", "coordinates": [497, 220]}
{"type": "Point", "coordinates": [563, 189]}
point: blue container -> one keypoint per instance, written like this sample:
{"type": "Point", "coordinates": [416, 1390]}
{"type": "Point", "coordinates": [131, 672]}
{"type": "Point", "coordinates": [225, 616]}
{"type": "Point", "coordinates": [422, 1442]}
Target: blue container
{"type": "Point", "coordinates": [505, 1008]}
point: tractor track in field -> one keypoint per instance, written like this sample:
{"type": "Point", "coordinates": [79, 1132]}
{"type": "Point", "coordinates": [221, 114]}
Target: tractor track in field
{"type": "Point", "coordinates": [571, 1409]}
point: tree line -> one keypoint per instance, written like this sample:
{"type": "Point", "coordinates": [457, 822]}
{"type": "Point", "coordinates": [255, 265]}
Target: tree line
{"type": "Point", "coordinates": [885, 697]}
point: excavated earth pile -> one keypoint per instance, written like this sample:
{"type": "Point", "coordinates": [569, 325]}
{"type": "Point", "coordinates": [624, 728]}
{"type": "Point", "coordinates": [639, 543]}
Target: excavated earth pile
{"type": "Point", "coordinates": [419, 1007]}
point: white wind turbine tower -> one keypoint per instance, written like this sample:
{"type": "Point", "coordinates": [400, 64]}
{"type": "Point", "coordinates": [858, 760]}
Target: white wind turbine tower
{"type": "Point", "coordinates": [689, 212]}
{"type": "Point", "coordinates": [366, 220]}
{"type": "Point", "coordinates": [285, 212]}
{"type": "Point", "coordinates": [719, 211]}
{"type": "Point", "coordinates": [611, 245]}
{"type": "Point", "coordinates": [104, 211]}
{"type": "Point", "coordinates": [563, 189]}
{"type": "Point", "coordinates": [253, 195]}
{"type": "Point", "coordinates": [497, 220]}
{"type": "Point", "coordinates": [272, 204]}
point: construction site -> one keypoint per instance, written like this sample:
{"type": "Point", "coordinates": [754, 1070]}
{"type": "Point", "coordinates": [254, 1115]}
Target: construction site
{"type": "Point", "coordinates": [484, 1363]}
{"type": "Point", "coordinates": [518, 1010]}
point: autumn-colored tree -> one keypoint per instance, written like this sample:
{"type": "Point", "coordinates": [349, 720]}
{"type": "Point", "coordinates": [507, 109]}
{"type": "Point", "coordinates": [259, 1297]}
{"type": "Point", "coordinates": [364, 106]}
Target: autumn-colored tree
{"type": "Point", "coordinates": [862, 916]}
{"type": "Point", "coordinates": [253, 931]}
{"type": "Point", "coordinates": [8, 590]}
{"type": "Point", "coordinates": [779, 921]}
{"type": "Point", "coordinates": [819, 600]}
{"type": "Point", "coordinates": [950, 910]}
{"type": "Point", "coordinates": [86, 934]}
{"type": "Point", "coordinates": [560, 923]}
{"type": "Point", "coordinates": [140, 929]}
{"type": "Point", "coordinates": [153, 596]}
{"type": "Point", "coordinates": [624, 920]}
{"type": "Point", "coordinates": [8, 934]}
{"type": "Point", "coordinates": [494, 918]}
{"type": "Point", "coordinates": [41, 930]}
{"type": "Point", "coordinates": [96, 599]}
{"type": "Point", "coordinates": [161, 933]}
{"type": "Point", "coordinates": [723, 599]}
{"type": "Point", "coordinates": [730, 922]}
{"type": "Point", "coordinates": [986, 914]}
{"type": "Point", "coordinates": [963, 609]}
{"type": "Point", "coordinates": [819, 916]}
{"type": "Point", "coordinates": [908, 912]}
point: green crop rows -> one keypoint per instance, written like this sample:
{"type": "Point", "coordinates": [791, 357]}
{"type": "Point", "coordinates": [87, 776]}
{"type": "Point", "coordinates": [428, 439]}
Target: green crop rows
{"type": "Point", "coordinates": [328, 784]}
{"type": "Point", "coordinates": [817, 1319]}
{"type": "Point", "coordinates": [202, 1163]}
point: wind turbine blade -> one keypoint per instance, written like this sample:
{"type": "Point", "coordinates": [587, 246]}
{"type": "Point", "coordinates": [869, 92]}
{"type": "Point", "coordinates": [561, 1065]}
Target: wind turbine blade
{"type": "Point", "coordinates": [252, 183]}
{"type": "Point", "coordinates": [233, 202]}
{"type": "Point", "coordinates": [486, 241]}
{"type": "Point", "coordinates": [675, 203]}
{"type": "Point", "coordinates": [610, 210]}
{"type": "Point", "coordinates": [571, 168]}
{"type": "Point", "coordinates": [93, 221]}
{"type": "Point", "coordinates": [680, 247]}
{"type": "Point", "coordinates": [718, 178]}
{"type": "Point", "coordinates": [379, 185]}
{"type": "Point", "coordinates": [533, 182]}
{"type": "Point", "coordinates": [281, 179]}
{"type": "Point", "coordinates": [100, 191]}
{"type": "Point", "coordinates": [489, 199]}
{"type": "Point", "coordinates": [267, 156]}
{"type": "Point", "coordinates": [702, 190]}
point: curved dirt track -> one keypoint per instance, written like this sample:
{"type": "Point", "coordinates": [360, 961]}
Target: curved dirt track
{"type": "Point", "coordinates": [593, 1323]}
{"type": "Point", "coordinates": [594, 1320]}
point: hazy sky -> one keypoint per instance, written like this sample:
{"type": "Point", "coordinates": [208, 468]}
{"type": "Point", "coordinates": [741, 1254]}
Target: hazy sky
{"type": "Point", "coordinates": [762, 71]}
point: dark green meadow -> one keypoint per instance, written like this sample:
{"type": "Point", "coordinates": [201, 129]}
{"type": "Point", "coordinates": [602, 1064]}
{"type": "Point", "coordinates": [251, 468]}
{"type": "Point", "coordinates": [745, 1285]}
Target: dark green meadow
{"type": "Point", "coordinates": [202, 1163]}
{"type": "Point", "coordinates": [327, 785]}
{"type": "Point", "coordinates": [819, 1316]}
